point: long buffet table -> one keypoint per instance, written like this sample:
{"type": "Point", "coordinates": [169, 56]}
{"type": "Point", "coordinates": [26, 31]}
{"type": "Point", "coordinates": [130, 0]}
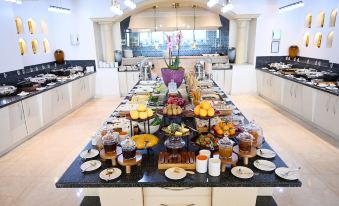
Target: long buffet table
{"type": "Point", "coordinates": [148, 186]}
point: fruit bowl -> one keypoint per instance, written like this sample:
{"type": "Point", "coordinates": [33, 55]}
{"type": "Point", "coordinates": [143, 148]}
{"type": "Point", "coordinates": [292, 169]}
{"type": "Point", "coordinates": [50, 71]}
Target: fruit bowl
{"type": "Point", "coordinates": [203, 141]}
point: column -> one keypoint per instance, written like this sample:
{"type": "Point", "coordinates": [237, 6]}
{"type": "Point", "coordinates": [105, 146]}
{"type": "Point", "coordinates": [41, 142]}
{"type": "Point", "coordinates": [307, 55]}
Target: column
{"type": "Point", "coordinates": [107, 41]}
{"type": "Point", "coordinates": [242, 40]}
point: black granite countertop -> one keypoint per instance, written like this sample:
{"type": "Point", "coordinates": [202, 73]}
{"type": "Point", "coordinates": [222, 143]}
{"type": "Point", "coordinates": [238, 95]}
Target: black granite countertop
{"type": "Point", "coordinates": [148, 175]}
{"type": "Point", "coordinates": [6, 101]}
{"type": "Point", "coordinates": [334, 92]}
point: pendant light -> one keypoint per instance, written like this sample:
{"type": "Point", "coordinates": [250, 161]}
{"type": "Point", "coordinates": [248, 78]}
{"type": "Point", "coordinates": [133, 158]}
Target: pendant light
{"type": "Point", "coordinates": [194, 44]}
{"type": "Point", "coordinates": [176, 6]}
{"type": "Point", "coordinates": [155, 17]}
{"type": "Point", "coordinates": [15, 1]}
{"type": "Point", "coordinates": [130, 4]}
{"type": "Point", "coordinates": [59, 9]}
{"type": "Point", "coordinates": [212, 3]}
{"type": "Point", "coordinates": [227, 6]}
{"type": "Point", "coordinates": [115, 8]}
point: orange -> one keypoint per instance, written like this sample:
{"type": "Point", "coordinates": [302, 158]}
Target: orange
{"type": "Point", "coordinates": [230, 125]}
{"type": "Point", "coordinates": [197, 110]}
{"type": "Point", "coordinates": [219, 131]}
{"type": "Point", "coordinates": [210, 112]}
{"type": "Point", "coordinates": [203, 112]}
{"type": "Point", "coordinates": [232, 131]}
{"type": "Point", "coordinates": [216, 127]}
{"type": "Point", "coordinates": [225, 127]}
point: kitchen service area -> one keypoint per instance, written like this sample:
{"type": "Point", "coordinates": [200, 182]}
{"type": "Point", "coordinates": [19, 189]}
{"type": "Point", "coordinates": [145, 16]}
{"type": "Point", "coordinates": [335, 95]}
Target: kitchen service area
{"type": "Point", "coordinates": [169, 103]}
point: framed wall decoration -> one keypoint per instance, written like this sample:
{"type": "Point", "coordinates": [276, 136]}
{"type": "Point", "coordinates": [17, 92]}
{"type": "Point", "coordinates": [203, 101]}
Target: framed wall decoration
{"type": "Point", "coordinates": [275, 46]}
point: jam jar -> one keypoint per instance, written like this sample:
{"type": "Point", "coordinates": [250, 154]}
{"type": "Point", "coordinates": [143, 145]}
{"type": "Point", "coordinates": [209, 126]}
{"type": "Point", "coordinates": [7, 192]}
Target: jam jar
{"type": "Point", "coordinates": [110, 141]}
{"type": "Point", "coordinates": [225, 148]}
{"type": "Point", "coordinates": [128, 147]}
{"type": "Point", "coordinates": [245, 142]}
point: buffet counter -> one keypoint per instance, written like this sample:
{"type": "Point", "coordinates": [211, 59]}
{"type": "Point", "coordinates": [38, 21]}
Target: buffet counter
{"type": "Point", "coordinates": [318, 106]}
{"type": "Point", "coordinates": [147, 185]}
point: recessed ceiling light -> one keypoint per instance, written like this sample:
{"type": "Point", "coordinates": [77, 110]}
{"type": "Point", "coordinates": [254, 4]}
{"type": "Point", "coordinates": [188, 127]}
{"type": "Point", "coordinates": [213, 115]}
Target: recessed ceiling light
{"type": "Point", "coordinates": [59, 9]}
{"type": "Point", "coordinates": [227, 7]}
{"type": "Point", "coordinates": [292, 6]}
{"type": "Point", "coordinates": [212, 3]}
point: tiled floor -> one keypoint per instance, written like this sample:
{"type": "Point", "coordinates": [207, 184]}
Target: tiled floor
{"type": "Point", "coordinates": [28, 173]}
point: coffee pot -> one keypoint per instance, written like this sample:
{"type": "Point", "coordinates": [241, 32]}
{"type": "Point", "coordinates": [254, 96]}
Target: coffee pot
{"type": "Point", "coordinates": [199, 71]}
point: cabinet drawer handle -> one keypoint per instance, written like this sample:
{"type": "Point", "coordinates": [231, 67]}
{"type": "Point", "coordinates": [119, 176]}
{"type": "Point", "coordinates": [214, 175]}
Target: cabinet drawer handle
{"type": "Point", "coordinates": [177, 189]}
{"type": "Point", "coordinates": [328, 104]}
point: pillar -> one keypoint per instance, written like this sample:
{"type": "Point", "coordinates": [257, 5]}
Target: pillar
{"type": "Point", "coordinates": [107, 41]}
{"type": "Point", "coordinates": [242, 40]}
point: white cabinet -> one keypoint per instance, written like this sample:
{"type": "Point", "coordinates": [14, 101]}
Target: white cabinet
{"type": "Point", "coordinates": [82, 90]}
{"type": "Point", "coordinates": [219, 77]}
{"type": "Point", "coordinates": [293, 96]}
{"type": "Point", "coordinates": [307, 103]}
{"type": "Point", "coordinates": [228, 82]}
{"type": "Point", "coordinates": [271, 87]}
{"type": "Point", "coordinates": [259, 75]}
{"type": "Point", "coordinates": [32, 113]}
{"type": "Point", "coordinates": [177, 196]}
{"type": "Point", "coordinates": [326, 112]}
{"type": "Point", "coordinates": [5, 137]}
{"type": "Point", "coordinates": [123, 83]}
{"type": "Point", "coordinates": [17, 122]}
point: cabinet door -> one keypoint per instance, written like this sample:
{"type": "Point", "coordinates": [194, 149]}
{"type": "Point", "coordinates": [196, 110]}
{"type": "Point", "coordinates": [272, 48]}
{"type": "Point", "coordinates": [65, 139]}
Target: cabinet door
{"type": "Point", "coordinates": [228, 81]}
{"type": "Point", "coordinates": [259, 81]}
{"type": "Point", "coordinates": [64, 101]}
{"type": "Point", "coordinates": [323, 111]}
{"type": "Point", "coordinates": [5, 137]}
{"type": "Point", "coordinates": [266, 84]}
{"type": "Point", "coordinates": [219, 77]}
{"type": "Point", "coordinates": [307, 103]}
{"type": "Point", "coordinates": [77, 87]}
{"type": "Point", "coordinates": [288, 95]}
{"type": "Point", "coordinates": [32, 112]}
{"type": "Point", "coordinates": [17, 122]}
{"type": "Point", "coordinates": [135, 78]}
{"type": "Point", "coordinates": [123, 84]}
{"type": "Point", "coordinates": [336, 113]}
{"type": "Point", "coordinates": [47, 107]}
{"type": "Point", "coordinates": [92, 83]}
{"type": "Point", "coordinates": [276, 89]}
{"type": "Point", "coordinates": [298, 98]}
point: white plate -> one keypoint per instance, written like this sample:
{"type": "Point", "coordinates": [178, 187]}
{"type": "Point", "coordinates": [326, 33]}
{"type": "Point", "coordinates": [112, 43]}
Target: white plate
{"type": "Point", "coordinates": [89, 154]}
{"type": "Point", "coordinates": [51, 84]}
{"type": "Point", "coordinates": [106, 175]}
{"type": "Point", "coordinates": [266, 153]}
{"type": "Point", "coordinates": [175, 175]}
{"type": "Point", "coordinates": [242, 172]}
{"type": "Point", "coordinates": [264, 165]}
{"type": "Point", "coordinates": [40, 88]}
{"type": "Point", "coordinates": [293, 175]}
{"type": "Point", "coordinates": [87, 167]}
{"type": "Point", "coordinates": [23, 93]}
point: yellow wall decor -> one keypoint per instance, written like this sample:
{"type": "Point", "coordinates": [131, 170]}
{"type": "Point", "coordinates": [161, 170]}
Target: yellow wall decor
{"type": "Point", "coordinates": [35, 46]}
{"type": "Point", "coordinates": [321, 19]}
{"type": "Point", "coordinates": [19, 26]}
{"type": "Point", "coordinates": [317, 39]}
{"type": "Point", "coordinates": [47, 48]}
{"type": "Point", "coordinates": [308, 22]}
{"type": "Point", "coordinates": [330, 37]}
{"type": "Point", "coordinates": [333, 17]}
{"type": "Point", "coordinates": [44, 27]}
{"type": "Point", "coordinates": [22, 46]}
{"type": "Point", "coordinates": [31, 26]}
{"type": "Point", "coordinates": [307, 39]}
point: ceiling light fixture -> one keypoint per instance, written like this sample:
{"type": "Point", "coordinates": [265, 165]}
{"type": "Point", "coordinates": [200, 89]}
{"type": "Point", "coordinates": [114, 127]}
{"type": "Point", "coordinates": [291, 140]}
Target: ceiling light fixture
{"type": "Point", "coordinates": [130, 4]}
{"type": "Point", "coordinates": [292, 6]}
{"type": "Point", "coordinates": [59, 9]}
{"type": "Point", "coordinates": [227, 6]}
{"type": "Point", "coordinates": [115, 8]}
{"type": "Point", "coordinates": [15, 1]}
{"type": "Point", "coordinates": [212, 3]}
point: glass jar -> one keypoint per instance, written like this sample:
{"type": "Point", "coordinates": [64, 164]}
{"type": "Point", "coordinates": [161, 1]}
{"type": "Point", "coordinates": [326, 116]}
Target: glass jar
{"type": "Point", "coordinates": [245, 142]}
{"type": "Point", "coordinates": [255, 131]}
{"type": "Point", "coordinates": [128, 147]}
{"type": "Point", "coordinates": [174, 145]}
{"type": "Point", "coordinates": [110, 142]}
{"type": "Point", "coordinates": [225, 148]}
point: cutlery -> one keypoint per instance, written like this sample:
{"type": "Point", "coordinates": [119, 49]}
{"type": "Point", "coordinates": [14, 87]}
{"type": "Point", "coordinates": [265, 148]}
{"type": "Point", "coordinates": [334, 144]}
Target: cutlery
{"type": "Point", "coordinates": [92, 164]}
{"type": "Point", "coordinates": [263, 164]}
{"type": "Point", "coordinates": [289, 171]}
{"type": "Point", "coordinates": [109, 172]}
{"type": "Point", "coordinates": [261, 152]}
{"type": "Point", "coordinates": [246, 173]}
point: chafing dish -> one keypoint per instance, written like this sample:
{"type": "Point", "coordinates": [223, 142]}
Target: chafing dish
{"type": "Point", "coordinates": [7, 90]}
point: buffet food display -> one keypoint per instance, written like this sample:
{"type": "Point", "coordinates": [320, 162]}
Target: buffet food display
{"type": "Point", "coordinates": [181, 131]}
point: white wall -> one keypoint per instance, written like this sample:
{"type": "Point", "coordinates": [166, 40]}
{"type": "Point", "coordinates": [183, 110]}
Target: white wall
{"type": "Point", "coordinates": [10, 57]}
{"type": "Point", "coordinates": [292, 26]}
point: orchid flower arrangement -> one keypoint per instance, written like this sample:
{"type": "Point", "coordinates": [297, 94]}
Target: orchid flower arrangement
{"type": "Point", "coordinates": [173, 63]}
